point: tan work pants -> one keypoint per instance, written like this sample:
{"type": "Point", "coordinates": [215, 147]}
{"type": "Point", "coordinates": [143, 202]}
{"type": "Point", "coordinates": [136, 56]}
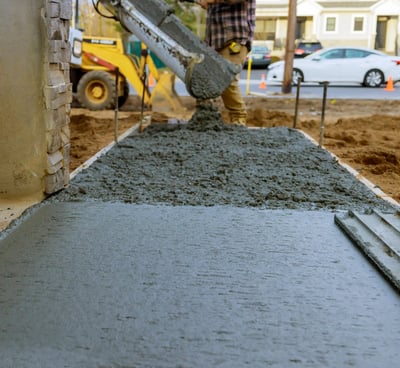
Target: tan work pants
{"type": "Point", "coordinates": [232, 97]}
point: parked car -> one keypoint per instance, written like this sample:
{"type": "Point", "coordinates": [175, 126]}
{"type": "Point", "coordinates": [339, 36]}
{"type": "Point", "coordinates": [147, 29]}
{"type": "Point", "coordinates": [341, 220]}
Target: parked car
{"type": "Point", "coordinates": [260, 57]}
{"type": "Point", "coordinates": [370, 68]}
{"type": "Point", "coordinates": [305, 48]}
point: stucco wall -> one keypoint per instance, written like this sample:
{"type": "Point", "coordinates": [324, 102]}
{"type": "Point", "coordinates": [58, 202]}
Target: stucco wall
{"type": "Point", "coordinates": [22, 138]}
{"type": "Point", "coordinates": [34, 85]}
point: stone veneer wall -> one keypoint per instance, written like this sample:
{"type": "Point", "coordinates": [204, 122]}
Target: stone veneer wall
{"type": "Point", "coordinates": [57, 92]}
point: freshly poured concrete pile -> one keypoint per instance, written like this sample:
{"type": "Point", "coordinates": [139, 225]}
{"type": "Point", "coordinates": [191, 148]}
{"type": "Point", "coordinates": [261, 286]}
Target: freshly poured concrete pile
{"type": "Point", "coordinates": [207, 162]}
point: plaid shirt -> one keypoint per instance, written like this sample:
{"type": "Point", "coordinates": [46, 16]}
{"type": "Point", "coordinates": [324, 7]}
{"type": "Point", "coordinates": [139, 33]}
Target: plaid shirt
{"type": "Point", "coordinates": [230, 20]}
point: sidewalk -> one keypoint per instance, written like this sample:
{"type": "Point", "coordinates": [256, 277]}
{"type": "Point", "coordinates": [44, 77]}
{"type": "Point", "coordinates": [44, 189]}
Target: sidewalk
{"type": "Point", "coordinates": [124, 285]}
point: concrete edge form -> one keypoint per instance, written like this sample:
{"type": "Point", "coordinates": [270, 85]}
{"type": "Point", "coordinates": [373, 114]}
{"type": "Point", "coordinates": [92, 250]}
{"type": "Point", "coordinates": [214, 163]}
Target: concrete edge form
{"type": "Point", "coordinates": [378, 236]}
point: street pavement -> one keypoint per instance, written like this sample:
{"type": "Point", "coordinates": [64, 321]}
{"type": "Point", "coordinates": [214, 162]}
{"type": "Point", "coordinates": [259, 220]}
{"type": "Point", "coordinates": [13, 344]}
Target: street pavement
{"type": "Point", "coordinates": [251, 87]}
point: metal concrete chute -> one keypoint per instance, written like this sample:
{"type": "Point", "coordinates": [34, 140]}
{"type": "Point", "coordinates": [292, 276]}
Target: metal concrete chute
{"type": "Point", "coordinates": [205, 73]}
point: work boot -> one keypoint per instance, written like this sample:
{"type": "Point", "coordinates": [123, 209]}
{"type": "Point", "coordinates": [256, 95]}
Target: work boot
{"type": "Point", "coordinates": [238, 121]}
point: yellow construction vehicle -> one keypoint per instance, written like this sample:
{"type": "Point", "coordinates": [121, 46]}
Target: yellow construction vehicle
{"type": "Point", "coordinates": [95, 80]}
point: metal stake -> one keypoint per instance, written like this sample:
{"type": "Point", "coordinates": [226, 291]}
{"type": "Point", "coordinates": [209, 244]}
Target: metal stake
{"type": "Point", "coordinates": [322, 126]}
{"type": "Point", "coordinates": [299, 79]}
{"type": "Point", "coordinates": [116, 106]}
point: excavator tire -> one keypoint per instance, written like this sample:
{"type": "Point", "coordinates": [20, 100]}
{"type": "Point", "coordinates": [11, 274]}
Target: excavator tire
{"type": "Point", "coordinates": [95, 90]}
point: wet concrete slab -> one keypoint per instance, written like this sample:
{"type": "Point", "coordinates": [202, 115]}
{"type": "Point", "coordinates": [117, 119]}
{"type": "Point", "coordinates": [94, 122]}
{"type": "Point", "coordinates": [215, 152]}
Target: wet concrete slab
{"type": "Point", "coordinates": [93, 284]}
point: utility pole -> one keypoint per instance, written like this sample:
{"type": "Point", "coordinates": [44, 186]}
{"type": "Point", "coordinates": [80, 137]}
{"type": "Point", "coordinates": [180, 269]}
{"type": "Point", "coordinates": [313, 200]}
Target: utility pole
{"type": "Point", "coordinates": [289, 54]}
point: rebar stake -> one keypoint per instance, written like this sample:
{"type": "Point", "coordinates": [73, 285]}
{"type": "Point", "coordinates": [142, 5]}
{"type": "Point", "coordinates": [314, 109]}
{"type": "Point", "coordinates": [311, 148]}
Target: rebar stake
{"type": "Point", "coordinates": [322, 126]}
{"type": "Point", "coordinates": [116, 106]}
{"type": "Point", "coordinates": [299, 79]}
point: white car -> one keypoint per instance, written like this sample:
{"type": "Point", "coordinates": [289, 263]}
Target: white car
{"type": "Point", "coordinates": [336, 65]}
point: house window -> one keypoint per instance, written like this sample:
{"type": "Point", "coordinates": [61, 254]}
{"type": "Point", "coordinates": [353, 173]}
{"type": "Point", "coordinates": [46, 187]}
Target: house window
{"type": "Point", "coordinates": [265, 29]}
{"type": "Point", "coordinates": [358, 24]}
{"type": "Point", "coordinates": [330, 24]}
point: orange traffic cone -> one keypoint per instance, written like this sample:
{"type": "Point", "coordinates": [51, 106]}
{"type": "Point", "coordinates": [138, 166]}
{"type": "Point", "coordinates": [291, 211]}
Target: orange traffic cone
{"type": "Point", "coordinates": [262, 85]}
{"type": "Point", "coordinates": [389, 86]}
{"type": "Point", "coordinates": [151, 81]}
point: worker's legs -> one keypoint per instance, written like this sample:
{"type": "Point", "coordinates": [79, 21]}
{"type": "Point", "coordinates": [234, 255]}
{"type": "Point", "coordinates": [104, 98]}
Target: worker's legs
{"type": "Point", "coordinates": [232, 96]}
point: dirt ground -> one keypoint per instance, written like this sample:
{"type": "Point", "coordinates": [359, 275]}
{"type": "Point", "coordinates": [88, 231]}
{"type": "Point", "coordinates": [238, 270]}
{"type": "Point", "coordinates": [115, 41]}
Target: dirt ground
{"type": "Point", "coordinates": [364, 134]}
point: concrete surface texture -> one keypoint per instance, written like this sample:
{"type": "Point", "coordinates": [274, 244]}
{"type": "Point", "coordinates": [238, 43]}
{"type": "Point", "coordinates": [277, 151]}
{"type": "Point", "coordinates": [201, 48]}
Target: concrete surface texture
{"type": "Point", "coordinates": [124, 285]}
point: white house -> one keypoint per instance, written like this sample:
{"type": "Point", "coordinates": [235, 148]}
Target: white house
{"type": "Point", "coordinates": [373, 24]}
